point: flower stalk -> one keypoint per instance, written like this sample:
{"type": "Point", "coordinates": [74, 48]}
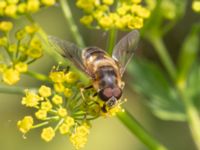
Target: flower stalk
{"type": "Point", "coordinates": [161, 50]}
{"type": "Point", "coordinates": [68, 15]}
{"type": "Point", "coordinates": [132, 124]}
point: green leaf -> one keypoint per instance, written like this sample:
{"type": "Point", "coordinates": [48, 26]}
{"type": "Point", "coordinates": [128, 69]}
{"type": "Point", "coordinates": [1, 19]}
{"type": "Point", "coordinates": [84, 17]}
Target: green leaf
{"type": "Point", "coordinates": [188, 52]}
{"type": "Point", "coordinates": [150, 82]}
{"type": "Point", "coordinates": [193, 85]}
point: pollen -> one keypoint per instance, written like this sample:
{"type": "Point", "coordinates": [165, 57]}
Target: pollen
{"type": "Point", "coordinates": [25, 124]}
{"type": "Point", "coordinates": [47, 134]}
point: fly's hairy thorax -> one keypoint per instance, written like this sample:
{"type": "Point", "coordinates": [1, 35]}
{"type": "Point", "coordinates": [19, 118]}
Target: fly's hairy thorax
{"type": "Point", "coordinates": [103, 69]}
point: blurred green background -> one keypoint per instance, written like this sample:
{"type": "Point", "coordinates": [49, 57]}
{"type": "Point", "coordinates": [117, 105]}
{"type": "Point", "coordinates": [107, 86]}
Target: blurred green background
{"type": "Point", "coordinates": [108, 133]}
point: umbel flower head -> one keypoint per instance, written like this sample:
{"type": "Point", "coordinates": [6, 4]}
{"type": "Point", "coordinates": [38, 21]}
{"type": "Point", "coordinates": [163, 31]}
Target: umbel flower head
{"type": "Point", "coordinates": [108, 14]}
{"type": "Point", "coordinates": [15, 8]}
{"type": "Point", "coordinates": [63, 106]}
{"type": "Point", "coordinates": [18, 54]}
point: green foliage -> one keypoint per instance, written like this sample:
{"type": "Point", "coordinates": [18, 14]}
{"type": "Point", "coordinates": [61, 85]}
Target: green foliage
{"type": "Point", "coordinates": [152, 83]}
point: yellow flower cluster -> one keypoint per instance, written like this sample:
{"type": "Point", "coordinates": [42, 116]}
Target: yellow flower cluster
{"type": "Point", "coordinates": [196, 6]}
{"type": "Point", "coordinates": [18, 54]}
{"type": "Point", "coordinates": [128, 15]}
{"type": "Point", "coordinates": [79, 137]}
{"type": "Point", "coordinates": [67, 105]}
{"type": "Point", "coordinates": [14, 8]}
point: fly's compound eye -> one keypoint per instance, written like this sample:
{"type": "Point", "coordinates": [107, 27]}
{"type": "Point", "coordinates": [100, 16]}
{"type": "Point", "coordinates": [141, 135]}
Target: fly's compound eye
{"type": "Point", "coordinates": [117, 93]}
{"type": "Point", "coordinates": [105, 94]}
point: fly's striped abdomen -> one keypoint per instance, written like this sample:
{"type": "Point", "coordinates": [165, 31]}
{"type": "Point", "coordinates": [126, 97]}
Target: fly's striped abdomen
{"type": "Point", "coordinates": [102, 68]}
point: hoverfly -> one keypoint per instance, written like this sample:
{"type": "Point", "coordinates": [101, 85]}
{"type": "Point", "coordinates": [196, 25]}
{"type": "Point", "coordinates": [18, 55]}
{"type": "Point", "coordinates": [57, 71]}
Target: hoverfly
{"type": "Point", "coordinates": [105, 71]}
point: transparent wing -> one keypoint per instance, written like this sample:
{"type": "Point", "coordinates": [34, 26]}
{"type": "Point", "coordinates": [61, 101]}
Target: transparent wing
{"type": "Point", "coordinates": [124, 49]}
{"type": "Point", "coordinates": [68, 50]}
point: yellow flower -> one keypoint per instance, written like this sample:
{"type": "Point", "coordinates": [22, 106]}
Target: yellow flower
{"type": "Point", "coordinates": [12, 1]}
{"type": "Point", "coordinates": [57, 99]}
{"type": "Point", "coordinates": [123, 9]}
{"type": "Point", "coordinates": [86, 20]}
{"type": "Point", "coordinates": [31, 99]}
{"type": "Point", "coordinates": [135, 23]}
{"type": "Point", "coordinates": [59, 87]}
{"type": "Point", "coordinates": [3, 41]}
{"type": "Point", "coordinates": [68, 92]}
{"type": "Point", "coordinates": [113, 111]}
{"type": "Point", "coordinates": [79, 138]}
{"type": "Point", "coordinates": [57, 76]}
{"type": "Point", "coordinates": [11, 10]}
{"type": "Point", "coordinates": [6, 26]}
{"type": "Point", "coordinates": [106, 22]}
{"type": "Point", "coordinates": [21, 8]}
{"type": "Point", "coordinates": [69, 121]}
{"type": "Point", "coordinates": [108, 2]}
{"type": "Point", "coordinates": [62, 112]}
{"type": "Point", "coordinates": [34, 52]}
{"type": "Point", "coordinates": [45, 91]}
{"type": "Point", "coordinates": [2, 4]}
{"type": "Point", "coordinates": [33, 5]}
{"type": "Point", "coordinates": [20, 34]}
{"type": "Point", "coordinates": [11, 76]}
{"type": "Point", "coordinates": [78, 141]}
{"type": "Point", "coordinates": [12, 48]}
{"type": "Point", "coordinates": [48, 2]}
{"type": "Point", "coordinates": [41, 114]}
{"type": "Point", "coordinates": [196, 5]}
{"type": "Point", "coordinates": [31, 29]}
{"type": "Point", "coordinates": [86, 5]}
{"type": "Point", "coordinates": [21, 67]}
{"type": "Point", "coordinates": [25, 124]}
{"type": "Point", "coordinates": [46, 106]}
{"type": "Point", "coordinates": [71, 77]}
{"type": "Point", "coordinates": [136, 1]}
{"type": "Point", "coordinates": [64, 128]}
{"type": "Point", "coordinates": [36, 43]}
{"type": "Point", "coordinates": [82, 130]}
{"type": "Point", "coordinates": [48, 134]}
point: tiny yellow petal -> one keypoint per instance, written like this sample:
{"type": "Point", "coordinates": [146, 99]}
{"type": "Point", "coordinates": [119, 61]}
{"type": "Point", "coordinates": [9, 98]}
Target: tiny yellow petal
{"type": "Point", "coordinates": [64, 128]}
{"type": "Point", "coordinates": [41, 114]}
{"type": "Point", "coordinates": [45, 91]}
{"type": "Point", "coordinates": [46, 106]}
{"type": "Point", "coordinates": [25, 124]}
{"type": "Point", "coordinates": [11, 76]}
{"type": "Point", "coordinates": [62, 112]}
{"type": "Point", "coordinates": [47, 134]}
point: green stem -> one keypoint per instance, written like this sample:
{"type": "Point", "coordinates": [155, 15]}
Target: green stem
{"type": "Point", "coordinates": [38, 76]}
{"type": "Point", "coordinates": [192, 117]}
{"type": "Point", "coordinates": [131, 123]}
{"type": "Point", "coordinates": [40, 124]}
{"type": "Point", "coordinates": [11, 89]}
{"type": "Point", "coordinates": [111, 40]}
{"type": "Point", "coordinates": [161, 50]}
{"type": "Point", "coordinates": [68, 15]}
